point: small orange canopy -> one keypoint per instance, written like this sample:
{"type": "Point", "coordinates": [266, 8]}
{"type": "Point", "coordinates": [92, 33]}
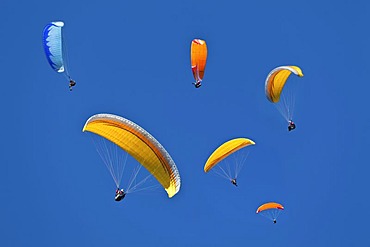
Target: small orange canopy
{"type": "Point", "coordinates": [269, 205]}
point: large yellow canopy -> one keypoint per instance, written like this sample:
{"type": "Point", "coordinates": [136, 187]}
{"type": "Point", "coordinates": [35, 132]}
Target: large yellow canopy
{"type": "Point", "coordinates": [269, 205]}
{"type": "Point", "coordinates": [276, 80]}
{"type": "Point", "coordinates": [198, 54]}
{"type": "Point", "coordinates": [225, 150]}
{"type": "Point", "coordinates": [139, 144]}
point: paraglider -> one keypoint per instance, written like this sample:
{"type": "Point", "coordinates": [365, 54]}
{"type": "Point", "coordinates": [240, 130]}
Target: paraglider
{"type": "Point", "coordinates": [274, 85]}
{"type": "Point", "coordinates": [72, 83]}
{"type": "Point", "coordinates": [132, 139]}
{"type": "Point", "coordinates": [55, 50]}
{"type": "Point", "coordinates": [120, 194]}
{"type": "Point", "coordinates": [233, 181]}
{"type": "Point", "coordinates": [291, 125]}
{"type": "Point", "coordinates": [270, 210]}
{"type": "Point", "coordinates": [224, 151]}
{"type": "Point", "coordinates": [198, 57]}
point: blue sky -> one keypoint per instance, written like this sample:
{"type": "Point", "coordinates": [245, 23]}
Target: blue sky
{"type": "Point", "coordinates": [131, 58]}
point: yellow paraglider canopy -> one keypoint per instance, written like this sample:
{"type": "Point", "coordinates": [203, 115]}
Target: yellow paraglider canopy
{"type": "Point", "coordinates": [276, 80]}
{"type": "Point", "coordinates": [225, 150]}
{"type": "Point", "coordinates": [139, 144]}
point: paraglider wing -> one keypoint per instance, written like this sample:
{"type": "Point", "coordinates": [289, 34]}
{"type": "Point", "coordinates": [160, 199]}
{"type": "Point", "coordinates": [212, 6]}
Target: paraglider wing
{"type": "Point", "coordinates": [52, 42]}
{"type": "Point", "coordinates": [139, 144]}
{"type": "Point", "coordinates": [268, 206]}
{"type": "Point", "coordinates": [276, 80]}
{"type": "Point", "coordinates": [225, 150]}
{"type": "Point", "coordinates": [198, 54]}
{"type": "Point", "coordinates": [270, 210]}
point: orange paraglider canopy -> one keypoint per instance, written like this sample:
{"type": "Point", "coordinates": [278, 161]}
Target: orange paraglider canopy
{"type": "Point", "coordinates": [269, 205]}
{"type": "Point", "coordinates": [198, 55]}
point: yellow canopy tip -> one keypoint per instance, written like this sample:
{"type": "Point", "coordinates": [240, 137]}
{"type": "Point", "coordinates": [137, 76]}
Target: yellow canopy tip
{"type": "Point", "coordinates": [87, 122]}
{"type": "Point", "coordinates": [171, 191]}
